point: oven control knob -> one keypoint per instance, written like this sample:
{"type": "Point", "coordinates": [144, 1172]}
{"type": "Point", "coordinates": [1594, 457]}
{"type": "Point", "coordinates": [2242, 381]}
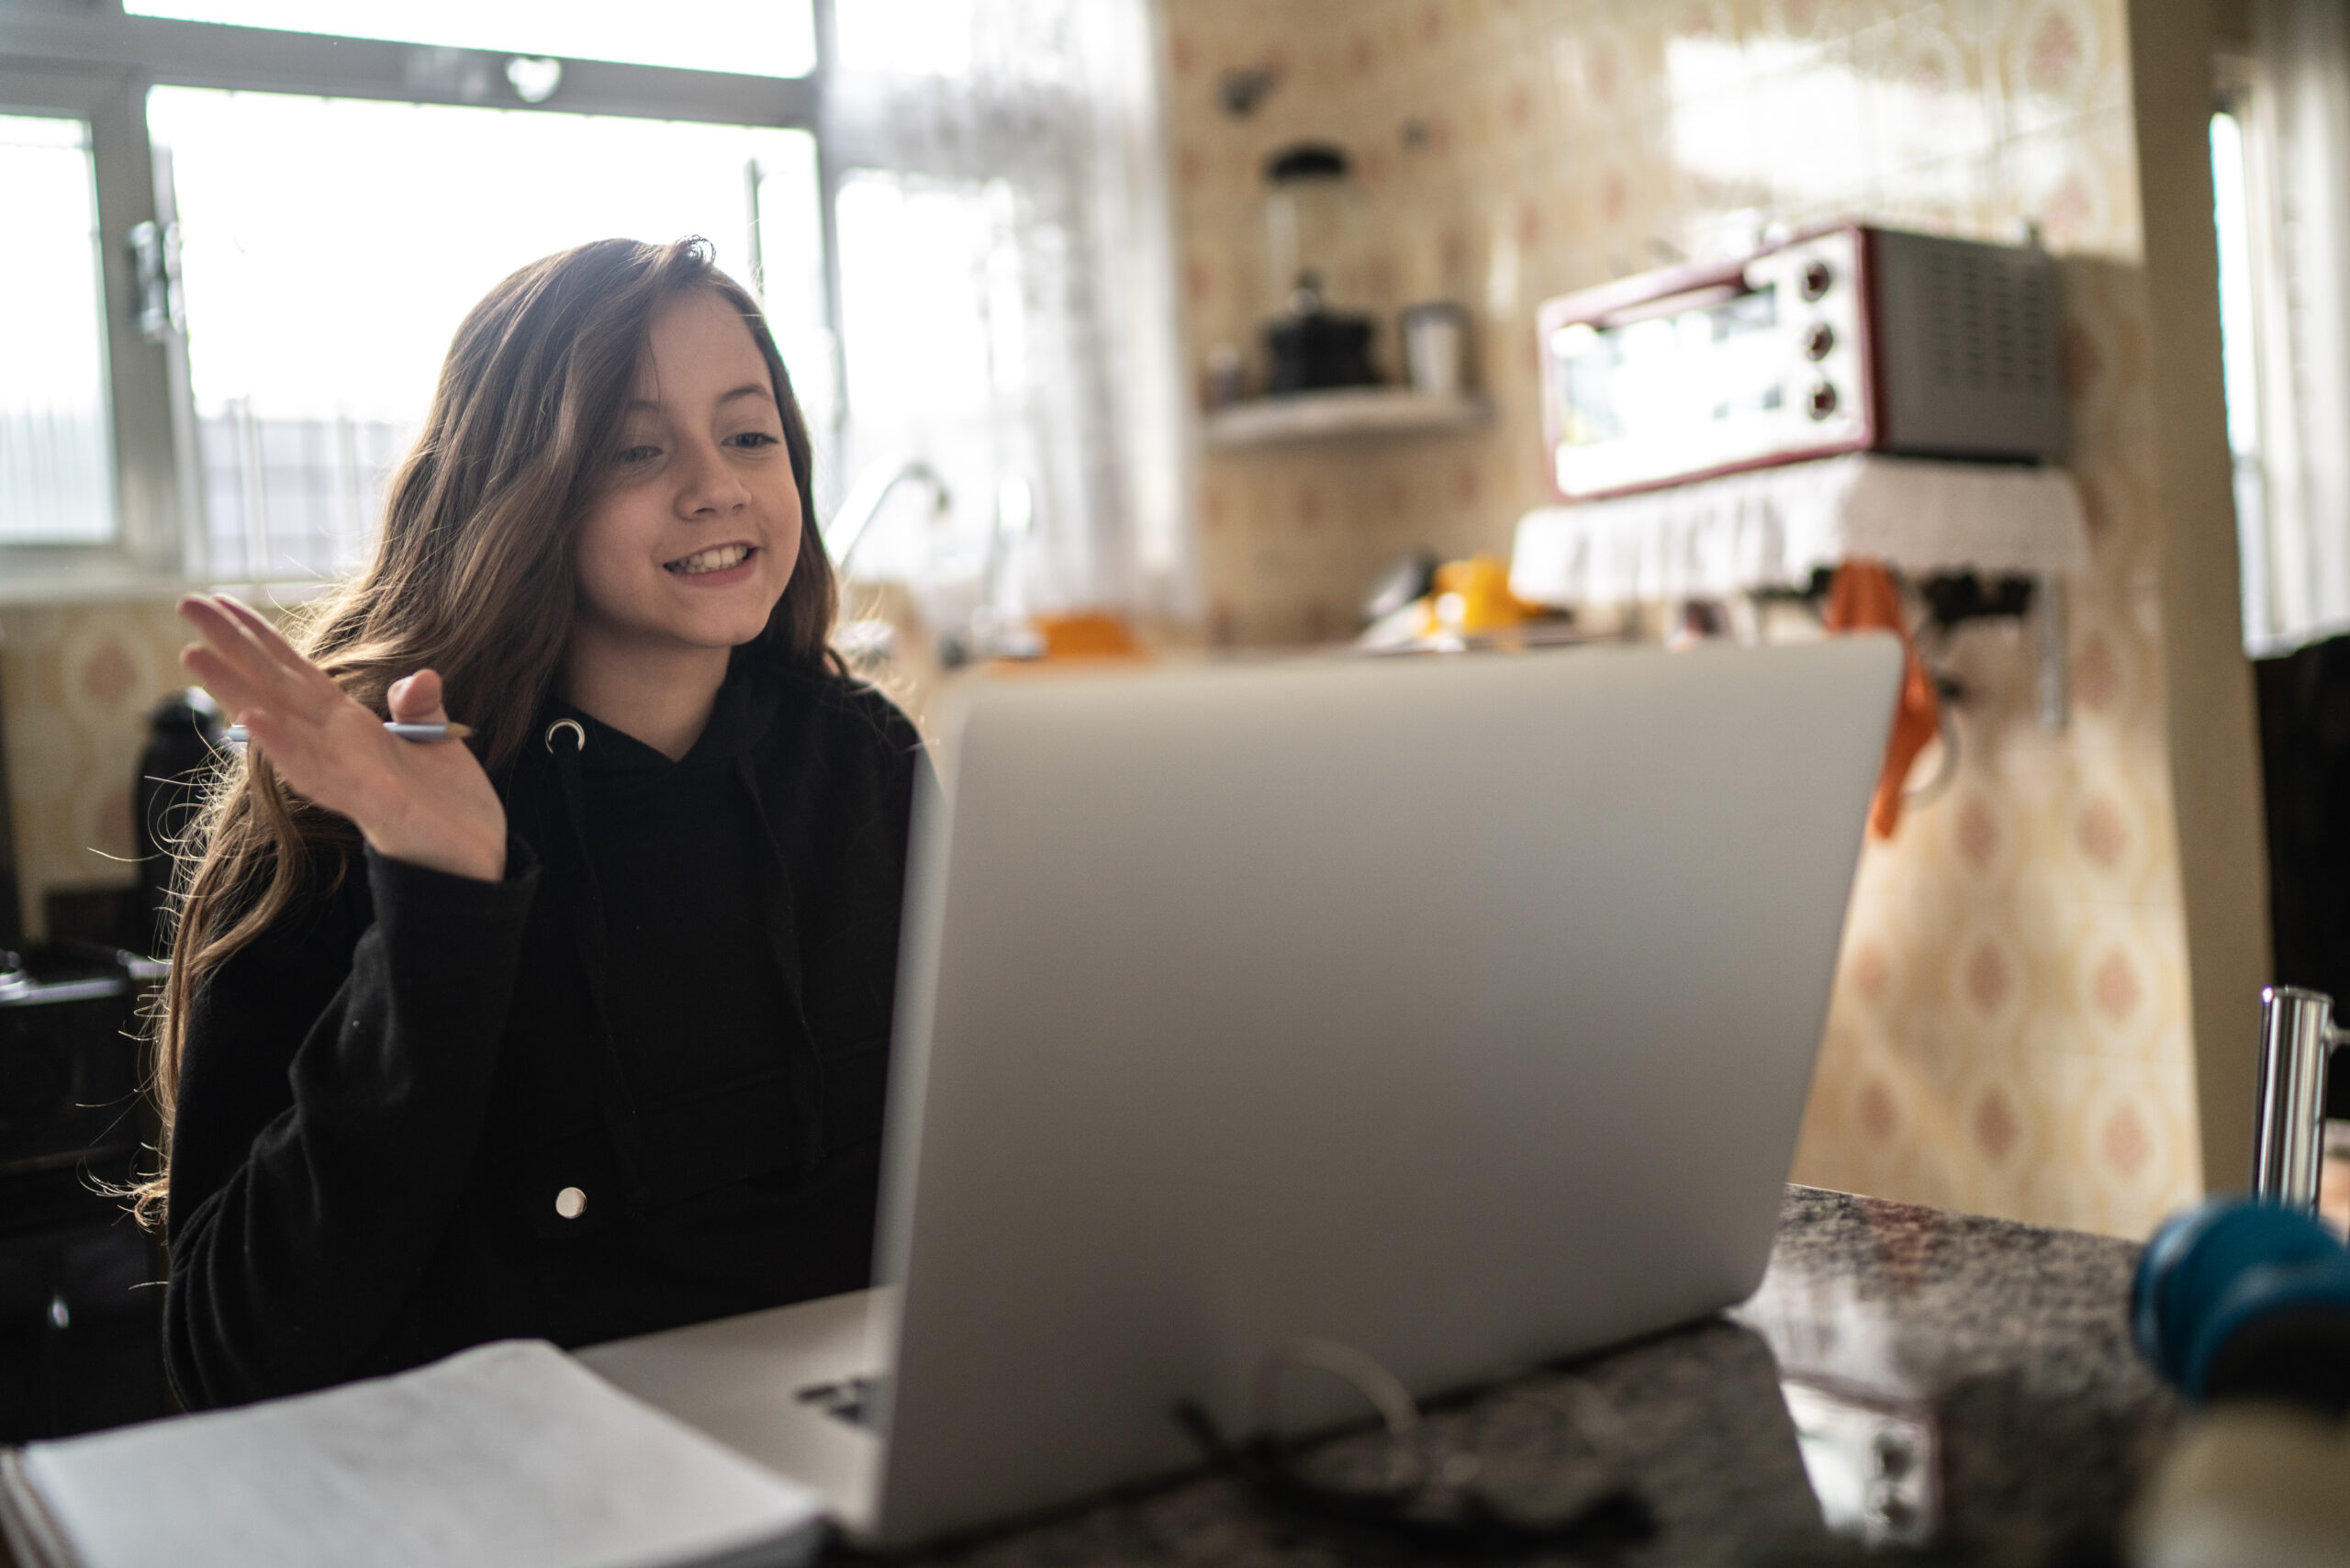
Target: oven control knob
{"type": "Point", "coordinates": [1816, 277]}
{"type": "Point", "coordinates": [1822, 401]}
{"type": "Point", "coordinates": [1818, 340]}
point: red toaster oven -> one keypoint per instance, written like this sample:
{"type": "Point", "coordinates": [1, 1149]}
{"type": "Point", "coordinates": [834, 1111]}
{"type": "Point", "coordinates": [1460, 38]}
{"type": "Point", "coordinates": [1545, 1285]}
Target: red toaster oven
{"type": "Point", "coordinates": [1849, 339]}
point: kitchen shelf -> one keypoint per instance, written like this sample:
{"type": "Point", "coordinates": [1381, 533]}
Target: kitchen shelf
{"type": "Point", "coordinates": [1343, 414]}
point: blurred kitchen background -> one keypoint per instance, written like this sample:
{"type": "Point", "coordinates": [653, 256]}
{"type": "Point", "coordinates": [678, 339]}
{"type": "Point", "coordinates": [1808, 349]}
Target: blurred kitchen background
{"type": "Point", "coordinates": [1021, 255]}
{"type": "Point", "coordinates": [2010, 1031]}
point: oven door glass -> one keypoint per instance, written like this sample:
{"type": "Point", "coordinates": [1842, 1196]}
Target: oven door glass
{"type": "Point", "coordinates": [1747, 372]}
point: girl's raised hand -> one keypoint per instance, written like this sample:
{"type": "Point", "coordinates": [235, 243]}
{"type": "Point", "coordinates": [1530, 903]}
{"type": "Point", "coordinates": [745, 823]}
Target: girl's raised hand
{"type": "Point", "coordinates": [427, 803]}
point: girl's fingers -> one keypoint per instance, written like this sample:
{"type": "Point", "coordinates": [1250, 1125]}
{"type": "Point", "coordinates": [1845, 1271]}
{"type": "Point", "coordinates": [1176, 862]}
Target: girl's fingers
{"type": "Point", "coordinates": [290, 746]}
{"type": "Point", "coordinates": [213, 624]}
{"type": "Point", "coordinates": [265, 730]}
{"type": "Point", "coordinates": [272, 641]}
{"type": "Point", "coordinates": [285, 743]}
{"type": "Point", "coordinates": [274, 649]}
{"type": "Point", "coordinates": [267, 659]}
{"type": "Point", "coordinates": [293, 749]}
{"type": "Point", "coordinates": [221, 677]}
{"type": "Point", "coordinates": [229, 640]}
{"type": "Point", "coordinates": [416, 699]}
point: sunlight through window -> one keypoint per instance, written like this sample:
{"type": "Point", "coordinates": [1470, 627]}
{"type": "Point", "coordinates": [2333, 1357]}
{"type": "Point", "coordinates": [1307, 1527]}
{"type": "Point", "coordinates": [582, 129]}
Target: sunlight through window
{"type": "Point", "coordinates": [56, 445]}
{"type": "Point", "coordinates": [761, 37]}
{"type": "Point", "coordinates": [329, 248]}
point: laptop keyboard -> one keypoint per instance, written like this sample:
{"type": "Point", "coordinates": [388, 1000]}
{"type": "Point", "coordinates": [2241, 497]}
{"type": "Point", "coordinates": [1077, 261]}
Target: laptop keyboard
{"type": "Point", "coordinates": [850, 1399]}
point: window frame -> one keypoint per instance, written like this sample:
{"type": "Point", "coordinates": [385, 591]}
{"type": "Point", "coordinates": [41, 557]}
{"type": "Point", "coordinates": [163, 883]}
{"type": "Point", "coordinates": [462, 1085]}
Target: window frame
{"type": "Point", "coordinates": [2271, 536]}
{"type": "Point", "coordinates": [138, 389]}
{"type": "Point", "coordinates": [87, 59]}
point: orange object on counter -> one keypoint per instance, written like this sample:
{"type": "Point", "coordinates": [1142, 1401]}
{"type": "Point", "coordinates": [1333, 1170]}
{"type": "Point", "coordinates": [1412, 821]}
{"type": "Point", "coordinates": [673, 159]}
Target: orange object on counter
{"type": "Point", "coordinates": [1473, 596]}
{"type": "Point", "coordinates": [1864, 598]}
{"type": "Point", "coordinates": [1088, 634]}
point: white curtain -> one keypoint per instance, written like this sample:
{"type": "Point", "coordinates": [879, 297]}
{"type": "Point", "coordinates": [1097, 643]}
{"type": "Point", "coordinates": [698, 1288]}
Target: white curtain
{"type": "Point", "coordinates": [1007, 313]}
{"type": "Point", "coordinates": [2297, 517]}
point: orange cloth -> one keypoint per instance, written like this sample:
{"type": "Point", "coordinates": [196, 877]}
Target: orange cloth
{"type": "Point", "coordinates": [1088, 634]}
{"type": "Point", "coordinates": [1863, 598]}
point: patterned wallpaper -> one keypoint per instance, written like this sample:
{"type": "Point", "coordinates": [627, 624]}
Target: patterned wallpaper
{"type": "Point", "coordinates": [2008, 1032]}
{"type": "Point", "coordinates": [76, 685]}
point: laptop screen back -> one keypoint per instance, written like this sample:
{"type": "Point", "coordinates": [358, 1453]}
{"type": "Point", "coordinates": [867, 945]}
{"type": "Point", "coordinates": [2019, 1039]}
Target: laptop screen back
{"type": "Point", "coordinates": [1460, 1011]}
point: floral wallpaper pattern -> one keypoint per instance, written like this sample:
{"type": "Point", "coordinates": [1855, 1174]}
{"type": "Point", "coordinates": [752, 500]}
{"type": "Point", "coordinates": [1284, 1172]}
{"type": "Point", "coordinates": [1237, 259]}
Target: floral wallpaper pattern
{"type": "Point", "coordinates": [77, 683]}
{"type": "Point", "coordinates": [2008, 1032]}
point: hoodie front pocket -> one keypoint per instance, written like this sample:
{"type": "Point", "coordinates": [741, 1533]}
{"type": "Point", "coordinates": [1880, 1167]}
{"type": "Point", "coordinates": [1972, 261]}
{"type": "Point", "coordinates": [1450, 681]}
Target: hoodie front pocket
{"type": "Point", "coordinates": [575, 1184]}
{"type": "Point", "coordinates": [696, 1144]}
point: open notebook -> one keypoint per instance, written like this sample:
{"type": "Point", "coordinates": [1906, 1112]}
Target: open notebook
{"type": "Point", "coordinates": [509, 1455]}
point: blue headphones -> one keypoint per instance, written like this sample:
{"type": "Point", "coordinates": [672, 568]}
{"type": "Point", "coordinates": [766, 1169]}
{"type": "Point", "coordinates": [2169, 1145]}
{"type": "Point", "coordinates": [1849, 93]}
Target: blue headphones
{"type": "Point", "coordinates": [2239, 1298]}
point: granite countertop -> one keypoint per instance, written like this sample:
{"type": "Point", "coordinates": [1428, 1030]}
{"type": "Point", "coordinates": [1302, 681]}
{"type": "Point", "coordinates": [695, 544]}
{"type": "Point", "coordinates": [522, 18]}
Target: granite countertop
{"type": "Point", "coordinates": [1905, 1378]}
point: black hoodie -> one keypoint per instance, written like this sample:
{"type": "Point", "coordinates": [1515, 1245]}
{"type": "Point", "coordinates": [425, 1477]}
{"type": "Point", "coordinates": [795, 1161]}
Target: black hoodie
{"type": "Point", "coordinates": [637, 1083]}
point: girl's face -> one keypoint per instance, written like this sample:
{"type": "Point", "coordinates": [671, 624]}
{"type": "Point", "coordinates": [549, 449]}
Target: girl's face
{"type": "Point", "coordinates": [693, 538]}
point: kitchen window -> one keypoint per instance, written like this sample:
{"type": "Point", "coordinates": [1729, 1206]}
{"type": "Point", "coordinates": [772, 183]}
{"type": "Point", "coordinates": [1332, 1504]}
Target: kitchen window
{"type": "Point", "coordinates": [86, 455]}
{"type": "Point", "coordinates": [249, 227]}
{"type": "Point", "coordinates": [2280, 138]}
{"type": "Point", "coordinates": [315, 329]}
{"type": "Point", "coordinates": [290, 220]}
{"type": "Point", "coordinates": [56, 430]}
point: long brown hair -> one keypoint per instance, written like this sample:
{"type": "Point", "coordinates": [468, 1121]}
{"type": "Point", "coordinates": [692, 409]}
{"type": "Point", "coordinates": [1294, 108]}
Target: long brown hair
{"type": "Point", "coordinates": [473, 577]}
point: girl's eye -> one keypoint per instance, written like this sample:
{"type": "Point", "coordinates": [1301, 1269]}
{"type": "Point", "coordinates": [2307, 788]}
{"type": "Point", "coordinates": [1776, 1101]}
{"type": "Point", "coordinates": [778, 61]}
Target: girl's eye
{"type": "Point", "coordinates": [751, 439]}
{"type": "Point", "coordinates": [634, 455]}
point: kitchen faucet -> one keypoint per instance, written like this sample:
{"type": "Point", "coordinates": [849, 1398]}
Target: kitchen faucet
{"type": "Point", "coordinates": [863, 503]}
{"type": "Point", "coordinates": [984, 635]}
{"type": "Point", "coordinates": [2298, 1039]}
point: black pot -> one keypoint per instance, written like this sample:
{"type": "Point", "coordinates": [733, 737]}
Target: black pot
{"type": "Point", "coordinates": [1319, 349]}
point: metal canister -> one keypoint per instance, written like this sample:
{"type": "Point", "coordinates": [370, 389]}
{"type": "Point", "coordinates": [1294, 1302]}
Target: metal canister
{"type": "Point", "coordinates": [2297, 1042]}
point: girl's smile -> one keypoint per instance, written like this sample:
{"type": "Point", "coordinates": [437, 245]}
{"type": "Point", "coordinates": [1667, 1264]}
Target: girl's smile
{"type": "Point", "coordinates": [719, 563]}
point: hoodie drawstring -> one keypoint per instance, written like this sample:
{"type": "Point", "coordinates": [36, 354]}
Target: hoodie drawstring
{"type": "Point", "coordinates": [591, 936]}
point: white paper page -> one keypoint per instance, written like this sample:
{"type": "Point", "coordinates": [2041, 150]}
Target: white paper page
{"type": "Point", "coordinates": [509, 1455]}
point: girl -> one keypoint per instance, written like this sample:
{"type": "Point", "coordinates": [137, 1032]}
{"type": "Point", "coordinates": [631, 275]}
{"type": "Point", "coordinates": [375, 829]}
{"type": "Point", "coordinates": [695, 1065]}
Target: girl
{"type": "Point", "coordinates": [577, 1030]}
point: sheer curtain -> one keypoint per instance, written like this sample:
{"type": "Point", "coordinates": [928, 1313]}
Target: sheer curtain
{"type": "Point", "coordinates": [1006, 305]}
{"type": "Point", "coordinates": [2297, 526]}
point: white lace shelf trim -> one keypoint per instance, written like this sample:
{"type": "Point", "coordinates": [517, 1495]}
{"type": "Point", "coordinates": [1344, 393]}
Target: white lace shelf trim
{"type": "Point", "coordinates": [1771, 527]}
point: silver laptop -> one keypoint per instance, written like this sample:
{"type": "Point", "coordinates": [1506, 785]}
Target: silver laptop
{"type": "Point", "coordinates": [1458, 1010]}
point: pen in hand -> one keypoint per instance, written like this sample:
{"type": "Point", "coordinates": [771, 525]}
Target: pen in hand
{"type": "Point", "coordinates": [423, 734]}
